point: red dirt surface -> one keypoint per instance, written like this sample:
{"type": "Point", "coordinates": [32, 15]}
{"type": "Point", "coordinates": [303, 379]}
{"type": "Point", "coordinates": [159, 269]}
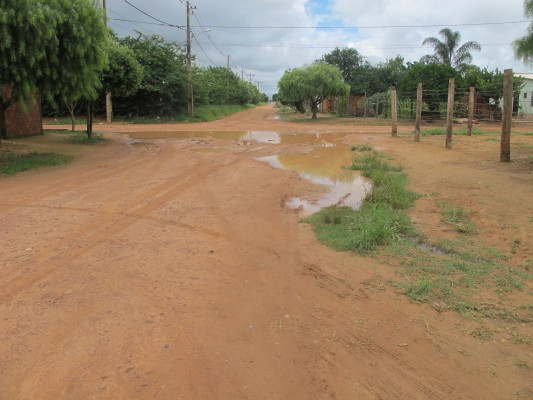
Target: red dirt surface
{"type": "Point", "coordinates": [150, 271]}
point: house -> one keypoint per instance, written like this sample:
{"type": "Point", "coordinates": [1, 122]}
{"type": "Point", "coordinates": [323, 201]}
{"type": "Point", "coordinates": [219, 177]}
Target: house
{"type": "Point", "coordinates": [525, 99]}
{"type": "Point", "coordinates": [23, 121]}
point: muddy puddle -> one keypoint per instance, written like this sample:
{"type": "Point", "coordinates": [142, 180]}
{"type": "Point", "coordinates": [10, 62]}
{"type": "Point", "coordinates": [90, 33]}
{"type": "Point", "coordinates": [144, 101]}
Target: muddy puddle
{"type": "Point", "coordinates": [325, 164]}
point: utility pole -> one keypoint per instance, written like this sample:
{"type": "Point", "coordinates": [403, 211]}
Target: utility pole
{"type": "Point", "coordinates": [190, 95]}
{"type": "Point", "coordinates": [108, 102]}
{"type": "Point", "coordinates": [242, 74]}
{"type": "Point", "coordinates": [250, 75]}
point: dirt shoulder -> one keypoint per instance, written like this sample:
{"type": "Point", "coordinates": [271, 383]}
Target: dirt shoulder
{"type": "Point", "coordinates": [171, 269]}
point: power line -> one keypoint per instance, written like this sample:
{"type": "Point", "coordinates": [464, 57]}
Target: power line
{"type": "Point", "coordinates": [363, 26]}
{"type": "Point", "coordinates": [148, 15]}
{"type": "Point", "coordinates": [148, 23]}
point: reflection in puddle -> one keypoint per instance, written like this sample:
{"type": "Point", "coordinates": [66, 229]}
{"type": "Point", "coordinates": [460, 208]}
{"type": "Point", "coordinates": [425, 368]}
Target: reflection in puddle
{"type": "Point", "coordinates": [325, 166]}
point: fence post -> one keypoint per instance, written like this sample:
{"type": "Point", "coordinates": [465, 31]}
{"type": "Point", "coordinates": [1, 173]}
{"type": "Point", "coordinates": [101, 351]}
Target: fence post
{"type": "Point", "coordinates": [449, 113]}
{"type": "Point", "coordinates": [377, 108]}
{"type": "Point", "coordinates": [470, 110]}
{"type": "Point", "coordinates": [394, 111]}
{"type": "Point", "coordinates": [507, 115]}
{"type": "Point", "coordinates": [418, 111]}
{"type": "Point", "coordinates": [366, 107]}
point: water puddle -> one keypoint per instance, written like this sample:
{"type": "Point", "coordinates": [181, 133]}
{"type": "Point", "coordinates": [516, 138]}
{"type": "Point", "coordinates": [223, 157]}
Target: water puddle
{"type": "Point", "coordinates": [325, 164]}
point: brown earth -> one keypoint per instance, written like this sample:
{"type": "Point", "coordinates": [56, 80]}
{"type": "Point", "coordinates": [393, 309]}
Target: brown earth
{"type": "Point", "coordinates": [150, 271]}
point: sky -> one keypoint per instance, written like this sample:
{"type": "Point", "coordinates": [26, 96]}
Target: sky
{"type": "Point", "coordinates": [264, 38]}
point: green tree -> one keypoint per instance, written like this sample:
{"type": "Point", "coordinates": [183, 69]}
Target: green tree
{"type": "Point", "coordinates": [312, 84]}
{"type": "Point", "coordinates": [49, 47]}
{"type": "Point", "coordinates": [434, 77]}
{"type": "Point", "coordinates": [448, 51]}
{"type": "Point", "coordinates": [523, 46]}
{"type": "Point", "coordinates": [163, 89]}
{"type": "Point", "coordinates": [124, 73]}
{"type": "Point", "coordinates": [347, 60]}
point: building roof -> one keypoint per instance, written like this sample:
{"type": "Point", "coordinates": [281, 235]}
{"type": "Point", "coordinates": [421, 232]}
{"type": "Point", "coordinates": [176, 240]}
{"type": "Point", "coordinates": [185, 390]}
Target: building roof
{"type": "Point", "coordinates": [527, 76]}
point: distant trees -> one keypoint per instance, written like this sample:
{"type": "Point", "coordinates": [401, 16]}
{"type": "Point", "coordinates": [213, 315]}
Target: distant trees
{"type": "Point", "coordinates": [523, 46]}
{"type": "Point", "coordinates": [448, 51]}
{"type": "Point", "coordinates": [50, 47]}
{"type": "Point", "coordinates": [312, 84]}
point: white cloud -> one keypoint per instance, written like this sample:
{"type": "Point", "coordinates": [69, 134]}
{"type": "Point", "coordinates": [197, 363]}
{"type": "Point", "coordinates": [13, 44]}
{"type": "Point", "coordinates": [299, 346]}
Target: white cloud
{"type": "Point", "coordinates": [267, 53]}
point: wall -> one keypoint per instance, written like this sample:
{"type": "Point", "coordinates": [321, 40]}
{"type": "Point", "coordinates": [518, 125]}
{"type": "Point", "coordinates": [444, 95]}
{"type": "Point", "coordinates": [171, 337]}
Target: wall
{"type": "Point", "coordinates": [24, 122]}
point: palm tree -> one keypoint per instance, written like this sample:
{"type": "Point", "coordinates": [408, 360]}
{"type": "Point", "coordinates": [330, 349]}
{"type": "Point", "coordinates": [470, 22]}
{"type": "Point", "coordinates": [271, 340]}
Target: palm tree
{"type": "Point", "coordinates": [523, 47]}
{"type": "Point", "coordinates": [449, 52]}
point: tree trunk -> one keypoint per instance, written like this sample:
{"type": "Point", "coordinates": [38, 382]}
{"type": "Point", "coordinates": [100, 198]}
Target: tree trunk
{"type": "Point", "coordinates": [90, 112]}
{"type": "Point", "coordinates": [314, 110]}
{"type": "Point", "coordinates": [3, 124]}
{"type": "Point", "coordinates": [71, 105]}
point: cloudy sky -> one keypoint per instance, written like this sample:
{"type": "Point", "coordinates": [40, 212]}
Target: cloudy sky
{"type": "Point", "coordinates": [266, 37]}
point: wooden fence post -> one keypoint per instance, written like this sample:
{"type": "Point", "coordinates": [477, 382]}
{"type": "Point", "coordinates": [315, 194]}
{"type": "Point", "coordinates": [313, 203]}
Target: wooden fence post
{"type": "Point", "coordinates": [377, 108]}
{"type": "Point", "coordinates": [394, 112]}
{"type": "Point", "coordinates": [507, 115]}
{"type": "Point", "coordinates": [449, 113]}
{"type": "Point", "coordinates": [418, 119]}
{"type": "Point", "coordinates": [470, 110]}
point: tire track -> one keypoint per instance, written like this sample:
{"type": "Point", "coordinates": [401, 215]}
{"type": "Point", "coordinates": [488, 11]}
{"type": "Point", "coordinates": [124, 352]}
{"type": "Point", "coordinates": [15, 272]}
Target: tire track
{"type": "Point", "coordinates": [99, 232]}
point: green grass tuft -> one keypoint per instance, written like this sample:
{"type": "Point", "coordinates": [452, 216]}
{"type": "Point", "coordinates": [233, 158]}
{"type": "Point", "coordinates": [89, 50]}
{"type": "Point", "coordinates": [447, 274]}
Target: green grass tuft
{"type": "Point", "coordinates": [11, 163]}
{"type": "Point", "coordinates": [82, 138]}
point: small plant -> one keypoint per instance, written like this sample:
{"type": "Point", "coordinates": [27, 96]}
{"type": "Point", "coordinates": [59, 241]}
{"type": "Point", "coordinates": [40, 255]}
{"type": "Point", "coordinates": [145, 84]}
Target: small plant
{"type": "Point", "coordinates": [362, 147]}
{"type": "Point", "coordinates": [459, 218]}
{"type": "Point", "coordinates": [82, 138]}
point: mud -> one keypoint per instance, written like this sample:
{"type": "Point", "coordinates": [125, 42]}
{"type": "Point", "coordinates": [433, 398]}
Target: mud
{"type": "Point", "coordinates": [167, 270]}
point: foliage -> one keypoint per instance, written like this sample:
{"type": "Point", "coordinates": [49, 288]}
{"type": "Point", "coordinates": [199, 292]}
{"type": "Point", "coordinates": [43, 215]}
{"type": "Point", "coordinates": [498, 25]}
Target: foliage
{"type": "Point", "coordinates": [124, 73]}
{"type": "Point", "coordinates": [347, 60]}
{"type": "Point", "coordinates": [523, 46]}
{"type": "Point", "coordinates": [489, 84]}
{"type": "Point", "coordinates": [435, 79]}
{"type": "Point", "coordinates": [448, 51]}
{"type": "Point", "coordinates": [163, 88]}
{"type": "Point", "coordinates": [312, 83]}
{"type": "Point", "coordinates": [81, 138]}
{"type": "Point", "coordinates": [52, 46]}
{"type": "Point", "coordinates": [361, 75]}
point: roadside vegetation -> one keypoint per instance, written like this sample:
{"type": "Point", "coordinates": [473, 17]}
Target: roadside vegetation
{"type": "Point", "coordinates": [54, 148]}
{"type": "Point", "coordinates": [454, 274]}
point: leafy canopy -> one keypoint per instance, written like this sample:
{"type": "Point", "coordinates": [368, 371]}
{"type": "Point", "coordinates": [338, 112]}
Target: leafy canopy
{"type": "Point", "coordinates": [523, 46]}
{"type": "Point", "coordinates": [312, 83]}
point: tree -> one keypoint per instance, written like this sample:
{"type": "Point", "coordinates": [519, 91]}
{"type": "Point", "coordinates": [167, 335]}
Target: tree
{"type": "Point", "coordinates": [124, 73]}
{"type": "Point", "coordinates": [435, 78]}
{"type": "Point", "coordinates": [312, 83]}
{"type": "Point", "coordinates": [448, 51]}
{"type": "Point", "coordinates": [523, 46]}
{"type": "Point", "coordinates": [347, 60]}
{"type": "Point", "coordinates": [52, 46]}
{"type": "Point", "coordinates": [163, 89]}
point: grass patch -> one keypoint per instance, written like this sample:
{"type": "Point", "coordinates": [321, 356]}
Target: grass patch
{"type": "Point", "coordinates": [454, 274]}
{"type": "Point", "coordinates": [11, 162]}
{"type": "Point", "coordinates": [362, 231]}
{"type": "Point", "coordinates": [362, 147]}
{"type": "Point", "coordinates": [203, 113]}
{"type": "Point", "coordinates": [459, 131]}
{"type": "Point", "coordinates": [82, 138]}
{"type": "Point", "coordinates": [380, 221]}
{"type": "Point", "coordinates": [459, 218]}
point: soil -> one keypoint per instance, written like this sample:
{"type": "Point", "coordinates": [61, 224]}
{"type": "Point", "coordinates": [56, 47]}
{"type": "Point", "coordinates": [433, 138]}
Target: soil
{"type": "Point", "coordinates": [147, 270]}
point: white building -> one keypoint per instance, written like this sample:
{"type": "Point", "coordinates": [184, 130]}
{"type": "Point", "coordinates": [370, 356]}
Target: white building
{"type": "Point", "coordinates": [525, 99]}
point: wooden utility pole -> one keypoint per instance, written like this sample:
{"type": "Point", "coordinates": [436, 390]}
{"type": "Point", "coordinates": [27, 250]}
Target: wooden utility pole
{"type": "Point", "coordinates": [108, 101]}
{"type": "Point", "coordinates": [507, 115]}
{"type": "Point", "coordinates": [449, 113]}
{"type": "Point", "coordinates": [250, 75]}
{"type": "Point", "coordinates": [471, 110]}
{"type": "Point", "coordinates": [418, 118]}
{"type": "Point", "coordinates": [190, 95]}
{"type": "Point", "coordinates": [394, 111]}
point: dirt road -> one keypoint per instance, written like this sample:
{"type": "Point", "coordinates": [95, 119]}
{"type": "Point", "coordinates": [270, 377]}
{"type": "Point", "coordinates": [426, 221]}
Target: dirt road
{"type": "Point", "coordinates": [148, 270]}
